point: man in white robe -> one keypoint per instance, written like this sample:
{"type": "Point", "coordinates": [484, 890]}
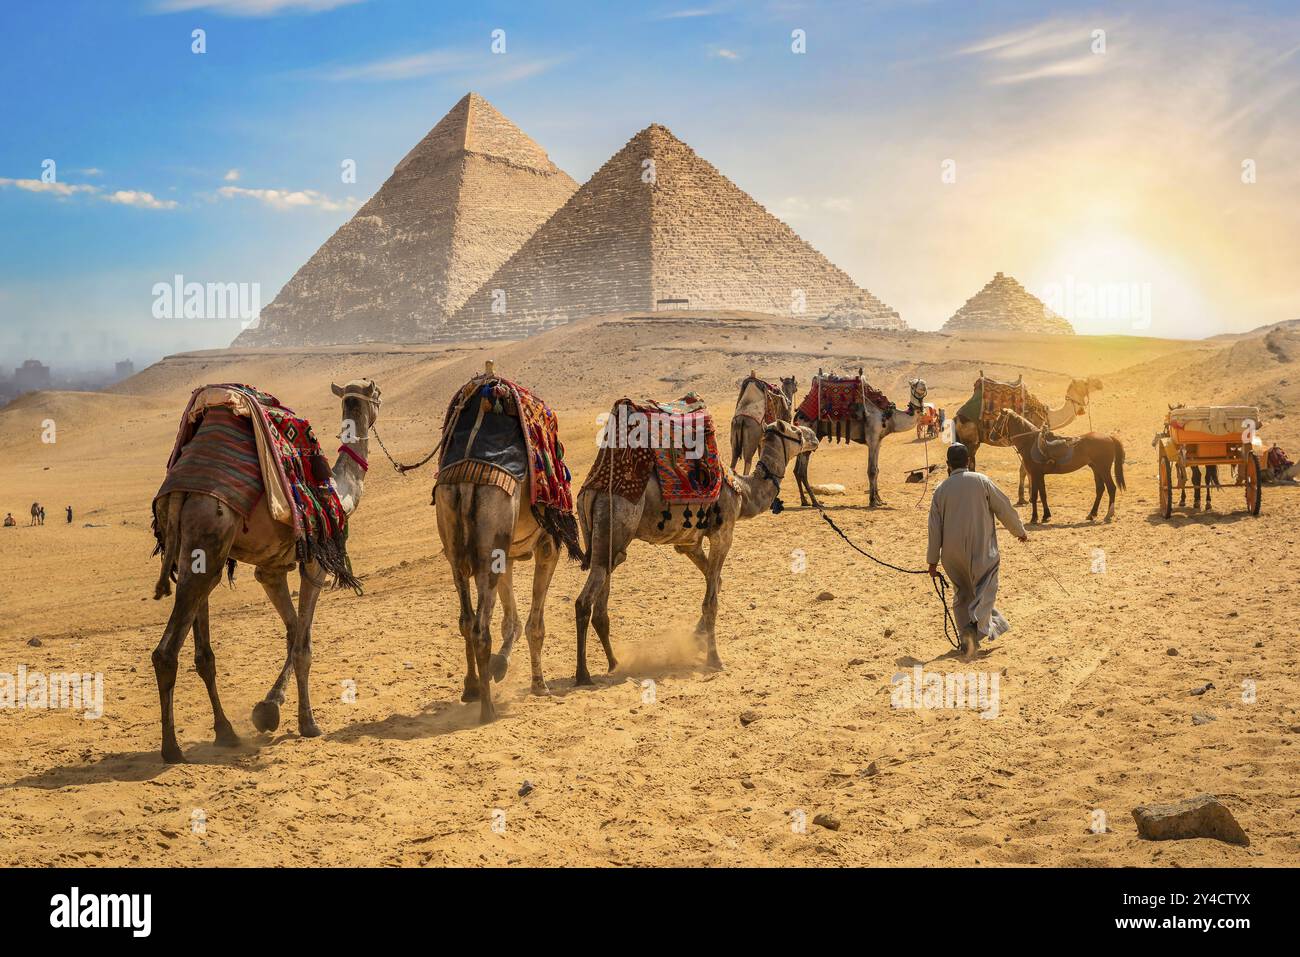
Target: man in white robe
{"type": "Point", "coordinates": [963, 536]}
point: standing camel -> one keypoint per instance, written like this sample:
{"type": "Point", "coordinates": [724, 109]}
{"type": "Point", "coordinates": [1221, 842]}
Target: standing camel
{"type": "Point", "coordinates": [751, 416]}
{"type": "Point", "coordinates": [193, 523]}
{"type": "Point", "coordinates": [484, 530]}
{"type": "Point", "coordinates": [610, 523]}
{"type": "Point", "coordinates": [869, 431]}
{"type": "Point", "coordinates": [968, 431]}
{"type": "Point", "coordinates": [1044, 454]}
{"type": "Point", "coordinates": [36, 513]}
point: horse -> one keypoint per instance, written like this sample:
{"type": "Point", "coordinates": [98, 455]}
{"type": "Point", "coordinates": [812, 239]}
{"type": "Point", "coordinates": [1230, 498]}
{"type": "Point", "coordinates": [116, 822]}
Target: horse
{"type": "Point", "coordinates": [1044, 453]}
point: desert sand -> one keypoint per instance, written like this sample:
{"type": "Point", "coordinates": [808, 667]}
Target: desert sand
{"type": "Point", "coordinates": [1095, 710]}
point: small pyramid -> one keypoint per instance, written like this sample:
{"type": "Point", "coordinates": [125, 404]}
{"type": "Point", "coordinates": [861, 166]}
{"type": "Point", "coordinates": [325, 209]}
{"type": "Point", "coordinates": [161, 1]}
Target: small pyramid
{"type": "Point", "coordinates": [658, 228]}
{"type": "Point", "coordinates": [458, 204]}
{"type": "Point", "coordinates": [1003, 305]}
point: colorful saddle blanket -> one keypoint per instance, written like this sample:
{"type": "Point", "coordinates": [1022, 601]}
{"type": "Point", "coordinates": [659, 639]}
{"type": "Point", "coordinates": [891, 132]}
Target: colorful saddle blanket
{"type": "Point", "coordinates": [990, 397]}
{"type": "Point", "coordinates": [238, 444]}
{"type": "Point", "coordinates": [496, 432]}
{"type": "Point", "coordinates": [835, 401]}
{"type": "Point", "coordinates": [674, 440]}
{"type": "Point", "coordinates": [776, 406]}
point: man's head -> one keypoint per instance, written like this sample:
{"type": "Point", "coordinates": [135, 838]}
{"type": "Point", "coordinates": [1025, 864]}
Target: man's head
{"type": "Point", "coordinates": [958, 457]}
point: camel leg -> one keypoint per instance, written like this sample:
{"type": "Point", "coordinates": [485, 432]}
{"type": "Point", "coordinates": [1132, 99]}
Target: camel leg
{"type": "Point", "coordinates": [719, 545]}
{"type": "Point", "coordinates": [308, 593]}
{"type": "Point", "coordinates": [545, 557]}
{"type": "Point", "coordinates": [873, 472]}
{"type": "Point", "coordinates": [510, 627]}
{"type": "Point", "coordinates": [801, 479]}
{"type": "Point", "coordinates": [597, 582]}
{"type": "Point", "coordinates": [1020, 492]}
{"type": "Point", "coordinates": [485, 580]}
{"type": "Point", "coordinates": [600, 618]}
{"type": "Point", "coordinates": [592, 603]}
{"type": "Point", "coordinates": [205, 663]}
{"type": "Point", "coordinates": [275, 582]}
{"type": "Point", "coordinates": [472, 689]}
{"type": "Point", "coordinates": [208, 537]}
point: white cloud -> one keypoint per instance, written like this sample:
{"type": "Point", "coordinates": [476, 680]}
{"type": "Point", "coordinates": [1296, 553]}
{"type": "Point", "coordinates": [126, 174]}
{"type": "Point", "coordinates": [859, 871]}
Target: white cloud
{"type": "Point", "coordinates": [725, 54]}
{"type": "Point", "coordinates": [90, 171]}
{"type": "Point", "coordinates": [1079, 66]}
{"type": "Point", "coordinates": [285, 199]}
{"type": "Point", "coordinates": [1043, 51]}
{"type": "Point", "coordinates": [252, 8]}
{"type": "Point", "coordinates": [232, 175]}
{"type": "Point", "coordinates": [689, 14]}
{"type": "Point", "coordinates": [135, 197]}
{"type": "Point", "coordinates": [40, 186]}
{"type": "Point", "coordinates": [405, 67]}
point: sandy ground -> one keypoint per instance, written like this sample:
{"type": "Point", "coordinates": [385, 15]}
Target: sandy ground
{"type": "Point", "coordinates": [1094, 710]}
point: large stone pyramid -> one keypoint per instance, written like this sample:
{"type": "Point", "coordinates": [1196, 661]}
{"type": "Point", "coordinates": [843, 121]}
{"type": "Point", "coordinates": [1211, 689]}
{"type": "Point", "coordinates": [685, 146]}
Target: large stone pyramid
{"type": "Point", "coordinates": [658, 228]}
{"type": "Point", "coordinates": [453, 210]}
{"type": "Point", "coordinates": [1005, 305]}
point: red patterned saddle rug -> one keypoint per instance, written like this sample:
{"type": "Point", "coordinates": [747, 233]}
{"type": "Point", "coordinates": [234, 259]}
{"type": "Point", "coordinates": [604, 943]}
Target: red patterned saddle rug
{"type": "Point", "coordinates": [776, 406]}
{"type": "Point", "coordinates": [833, 401]}
{"type": "Point", "coordinates": [990, 397]}
{"type": "Point", "coordinates": [675, 441]}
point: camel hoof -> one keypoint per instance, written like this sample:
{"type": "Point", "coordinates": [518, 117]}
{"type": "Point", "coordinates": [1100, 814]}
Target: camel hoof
{"type": "Point", "coordinates": [308, 728]}
{"type": "Point", "coordinates": [227, 738]}
{"type": "Point", "coordinates": [582, 678]}
{"type": "Point", "coordinates": [613, 663]}
{"type": "Point", "coordinates": [173, 755]}
{"type": "Point", "coordinates": [469, 694]}
{"type": "Point", "coordinates": [266, 716]}
{"type": "Point", "coordinates": [541, 689]}
{"type": "Point", "coordinates": [714, 663]}
{"type": "Point", "coordinates": [498, 666]}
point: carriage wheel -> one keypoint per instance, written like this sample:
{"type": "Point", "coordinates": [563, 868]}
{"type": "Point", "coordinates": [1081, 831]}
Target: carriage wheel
{"type": "Point", "coordinates": [1250, 468]}
{"type": "Point", "coordinates": [1166, 488]}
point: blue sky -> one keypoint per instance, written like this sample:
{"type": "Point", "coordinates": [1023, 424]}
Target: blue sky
{"type": "Point", "coordinates": [1072, 166]}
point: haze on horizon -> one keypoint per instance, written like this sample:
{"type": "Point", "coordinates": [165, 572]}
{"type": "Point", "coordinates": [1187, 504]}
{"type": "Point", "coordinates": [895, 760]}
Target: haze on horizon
{"type": "Point", "coordinates": [921, 146]}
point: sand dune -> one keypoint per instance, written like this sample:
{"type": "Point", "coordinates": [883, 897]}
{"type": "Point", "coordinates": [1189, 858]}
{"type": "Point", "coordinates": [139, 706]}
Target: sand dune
{"type": "Point", "coordinates": [1094, 712]}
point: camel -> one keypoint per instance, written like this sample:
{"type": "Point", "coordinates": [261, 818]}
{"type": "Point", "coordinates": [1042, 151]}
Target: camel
{"type": "Point", "coordinates": [747, 423]}
{"type": "Point", "coordinates": [967, 432]}
{"type": "Point", "coordinates": [484, 531]}
{"type": "Point", "coordinates": [36, 513]}
{"type": "Point", "coordinates": [869, 431]}
{"type": "Point", "coordinates": [610, 523]}
{"type": "Point", "coordinates": [1042, 453]}
{"type": "Point", "coordinates": [193, 522]}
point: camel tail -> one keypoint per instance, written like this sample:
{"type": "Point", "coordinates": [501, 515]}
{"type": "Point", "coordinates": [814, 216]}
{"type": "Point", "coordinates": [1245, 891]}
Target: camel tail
{"type": "Point", "coordinates": [169, 541]}
{"type": "Point", "coordinates": [584, 525]}
{"type": "Point", "coordinates": [1119, 463]}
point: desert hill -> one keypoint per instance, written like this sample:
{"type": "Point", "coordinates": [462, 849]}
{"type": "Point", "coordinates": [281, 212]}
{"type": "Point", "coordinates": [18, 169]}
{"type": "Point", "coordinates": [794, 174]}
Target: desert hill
{"type": "Point", "coordinates": [1094, 711]}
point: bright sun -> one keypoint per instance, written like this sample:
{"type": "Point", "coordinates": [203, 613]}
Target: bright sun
{"type": "Point", "coordinates": [1105, 282]}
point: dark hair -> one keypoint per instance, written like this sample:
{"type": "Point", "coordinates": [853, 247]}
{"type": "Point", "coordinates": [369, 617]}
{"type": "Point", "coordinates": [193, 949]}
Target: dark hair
{"type": "Point", "coordinates": [958, 456]}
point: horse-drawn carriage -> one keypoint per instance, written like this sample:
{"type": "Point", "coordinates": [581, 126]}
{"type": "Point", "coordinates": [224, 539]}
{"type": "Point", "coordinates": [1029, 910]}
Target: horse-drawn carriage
{"type": "Point", "coordinates": [930, 422]}
{"type": "Point", "coordinates": [1203, 438]}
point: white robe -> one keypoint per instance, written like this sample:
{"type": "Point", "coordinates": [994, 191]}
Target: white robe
{"type": "Point", "coordinates": [963, 535]}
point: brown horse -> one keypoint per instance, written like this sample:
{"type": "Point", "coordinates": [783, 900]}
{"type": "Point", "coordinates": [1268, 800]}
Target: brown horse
{"type": "Point", "coordinates": [1044, 453]}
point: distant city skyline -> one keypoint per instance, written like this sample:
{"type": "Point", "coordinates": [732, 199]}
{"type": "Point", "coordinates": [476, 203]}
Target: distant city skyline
{"type": "Point", "coordinates": [1132, 166]}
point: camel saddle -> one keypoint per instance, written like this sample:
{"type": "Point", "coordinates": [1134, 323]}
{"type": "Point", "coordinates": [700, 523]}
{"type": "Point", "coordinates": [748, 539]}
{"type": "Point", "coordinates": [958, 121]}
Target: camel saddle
{"type": "Point", "coordinates": [776, 405]}
{"type": "Point", "coordinates": [989, 397]}
{"type": "Point", "coordinates": [835, 401]}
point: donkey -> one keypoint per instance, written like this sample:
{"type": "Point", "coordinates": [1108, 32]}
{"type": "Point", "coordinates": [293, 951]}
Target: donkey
{"type": "Point", "coordinates": [1043, 453]}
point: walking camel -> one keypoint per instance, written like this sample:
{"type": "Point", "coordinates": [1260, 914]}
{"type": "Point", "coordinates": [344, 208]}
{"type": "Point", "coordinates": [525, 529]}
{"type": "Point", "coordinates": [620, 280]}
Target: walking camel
{"type": "Point", "coordinates": [751, 412]}
{"type": "Point", "coordinates": [36, 513]}
{"type": "Point", "coordinates": [191, 522]}
{"type": "Point", "coordinates": [1042, 454]}
{"type": "Point", "coordinates": [868, 431]}
{"type": "Point", "coordinates": [967, 431]}
{"type": "Point", "coordinates": [484, 530]}
{"type": "Point", "coordinates": [610, 523]}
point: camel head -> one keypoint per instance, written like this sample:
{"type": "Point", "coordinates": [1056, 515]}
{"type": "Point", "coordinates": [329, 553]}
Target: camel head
{"type": "Point", "coordinates": [917, 393]}
{"type": "Point", "coordinates": [360, 402]}
{"type": "Point", "coordinates": [789, 386]}
{"type": "Point", "coordinates": [790, 439]}
{"type": "Point", "coordinates": [1080, 391]}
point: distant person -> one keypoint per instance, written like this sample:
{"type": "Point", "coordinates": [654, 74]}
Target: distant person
{"type": "Point", "coordinates": [964, 537]}
{"type": "Point", "coordinates": [69, 507]}
{"type": "Point", "coordinates": [1277, 461]}
{"type": "Point", "coordinates": [9, 520]}
{"type": "Point", "coordinates": [42, 521]}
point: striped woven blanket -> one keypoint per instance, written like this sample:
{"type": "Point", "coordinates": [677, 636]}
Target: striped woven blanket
{"type": "Point", "coordinates": [238, 444]}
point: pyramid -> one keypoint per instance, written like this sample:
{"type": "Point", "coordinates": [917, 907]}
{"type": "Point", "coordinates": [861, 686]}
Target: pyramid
{"type": "Point", "coordinates": [658, 228]}
{"type": "Point", "coordinates": [462, 200]}
{"type": "Point", "coordinates": [1005, 305]}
